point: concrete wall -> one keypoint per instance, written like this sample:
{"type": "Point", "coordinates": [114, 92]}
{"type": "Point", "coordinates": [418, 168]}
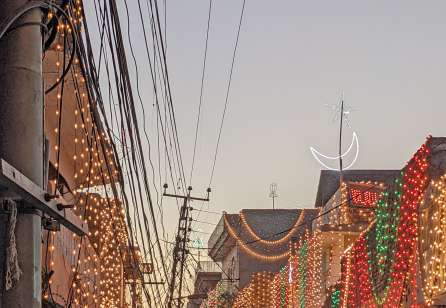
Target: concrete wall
{"type": "Point", "coordinates": [333, 217]}
{"type": "Point", "coordinates": [228, 264]}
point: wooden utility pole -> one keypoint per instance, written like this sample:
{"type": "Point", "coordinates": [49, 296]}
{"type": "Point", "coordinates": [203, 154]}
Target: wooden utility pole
{"type": "Point", "coordinates": [180, 251]}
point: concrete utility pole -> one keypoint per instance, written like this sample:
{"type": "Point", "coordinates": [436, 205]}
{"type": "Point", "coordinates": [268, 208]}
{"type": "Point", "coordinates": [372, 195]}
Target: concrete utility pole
{"type": "Point", "coordinates": [22, 145]}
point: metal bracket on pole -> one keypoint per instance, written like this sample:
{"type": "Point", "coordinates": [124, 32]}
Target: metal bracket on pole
{"type": "Point", "coordinates": [50, 225]}
{"type": "Point", "coordinates": [16, 186]}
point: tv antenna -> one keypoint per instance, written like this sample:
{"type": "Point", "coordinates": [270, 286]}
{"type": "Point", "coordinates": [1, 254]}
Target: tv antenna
{"type": "Point", "coordinates": [273, 194]}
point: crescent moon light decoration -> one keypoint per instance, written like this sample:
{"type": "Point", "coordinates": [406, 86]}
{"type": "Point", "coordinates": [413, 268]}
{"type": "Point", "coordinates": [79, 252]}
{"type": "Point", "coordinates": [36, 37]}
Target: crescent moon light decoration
{"type": "Point", "coordinates": [341, 113]}
{"type": "Point", "coordinates": [315, 153]}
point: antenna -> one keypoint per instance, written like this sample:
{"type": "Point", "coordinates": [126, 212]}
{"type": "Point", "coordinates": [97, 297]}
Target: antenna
{"type": "Point", "coordinates": [273, 189]}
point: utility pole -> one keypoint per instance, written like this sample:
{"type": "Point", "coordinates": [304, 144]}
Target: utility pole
{"type": "Point", "coordinates": [22, 145]}
{"type": "Point", "coordinates": [180, 251]}
{"type": "Point", "coordinates": [23, 200]}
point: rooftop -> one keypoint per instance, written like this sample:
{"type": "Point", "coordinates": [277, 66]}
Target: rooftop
{"type": "Point", "coordinates": [268, 224]}
{"type": "Point", "coordinates": [329, 181]}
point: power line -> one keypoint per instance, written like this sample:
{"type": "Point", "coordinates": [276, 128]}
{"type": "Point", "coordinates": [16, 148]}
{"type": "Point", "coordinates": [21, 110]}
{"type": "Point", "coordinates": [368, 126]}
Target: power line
{"type": "Point", "coordinates": [203, 222]}
{"type": "Point", "coordinates": [227, 92]}
{"type": "Point", "coordinates": [201, 91]}
{"type": "Point", "coordinates": [226, 100]}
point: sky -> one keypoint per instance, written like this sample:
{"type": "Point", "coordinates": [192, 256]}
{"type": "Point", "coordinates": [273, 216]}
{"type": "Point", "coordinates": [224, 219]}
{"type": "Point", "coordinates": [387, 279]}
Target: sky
{"type": "Point", "coordinates": [293, 57]}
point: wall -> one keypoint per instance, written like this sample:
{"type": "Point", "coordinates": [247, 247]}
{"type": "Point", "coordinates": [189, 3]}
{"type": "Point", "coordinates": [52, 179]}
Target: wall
{"type": "Point", "coordinates": [227, 265]}
{"type": "Point", "coordinates": [332, 218]}
{"type": "Point", "coordinates": [250, 264]}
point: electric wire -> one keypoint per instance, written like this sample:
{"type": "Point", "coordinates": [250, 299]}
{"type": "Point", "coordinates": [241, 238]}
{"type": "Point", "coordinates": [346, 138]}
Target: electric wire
{"type": "Point", "coordinates": [226, 99]}
{"type": "Point", "coordinates": [227, 93]}
{"type": "Point", "coordinates": [201, 91]}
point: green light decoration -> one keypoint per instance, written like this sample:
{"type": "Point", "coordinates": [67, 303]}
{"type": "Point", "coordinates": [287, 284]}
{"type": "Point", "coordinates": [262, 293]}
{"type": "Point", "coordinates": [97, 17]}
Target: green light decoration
{"type": "Point", "coordinates": [221, 296]}
{"type": "Point", "coordinates": [386, 227]}
{"type": "Point", "coordinates": [383, 268]}
{"type": "Point", "coordinates": [336, 299]}
{"type": "Point", "coordinates": [199, 238]}
{"type": "Point", "coordinates": [394, 231]}
{"type": "Point", "coordinates": [302, 274]}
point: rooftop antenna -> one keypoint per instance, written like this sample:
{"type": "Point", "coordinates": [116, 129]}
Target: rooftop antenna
{"type": "Point", "coordinates": [341, 113]}
{"type": "Point", "coordinates": [273, 194]}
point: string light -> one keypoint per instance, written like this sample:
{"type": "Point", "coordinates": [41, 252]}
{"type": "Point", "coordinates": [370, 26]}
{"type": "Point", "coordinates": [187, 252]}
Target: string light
{"type": "Point", "coordinates": [247, 249]}
{"type": "Point", "coordinates": [380, 268]}
{"type": "Point", "coordinates": [96, 260]}
{"type": "Point", "coordinates": [287, 236]}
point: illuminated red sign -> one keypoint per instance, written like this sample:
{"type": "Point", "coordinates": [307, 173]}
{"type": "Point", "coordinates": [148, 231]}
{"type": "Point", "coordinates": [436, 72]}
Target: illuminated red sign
{"type": "Point", "coordinates": [364, 195]}
{"type": "Point", "coordinates": [366, 198]}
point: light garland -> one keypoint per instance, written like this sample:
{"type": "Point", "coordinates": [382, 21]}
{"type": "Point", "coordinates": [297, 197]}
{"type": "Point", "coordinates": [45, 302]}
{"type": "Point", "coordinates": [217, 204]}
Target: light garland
{"type": "Point", "coordinates": [243, 297]}
{"type": "Point", "coordinates": [97, 275]}
{"type": "Point", "coordinates": [243, 245]}
{"type": "Point", "coordinates": [302, 277]}
{"type": "Point", "coordinates": [287, 236]}
{"type": "Point", "coordinates": [379, 270]}
{"type": "Point", "coordinates": [315, 262]}
{"type": "Point", "coordinates": [336, 299]}
{"type": "Point", "coordinates": [432, 273]}
{"type": "Point", "coordinates": [404, 235]}
{"type": "Point", "coordinates": [222, 295]}
{"type": "Point", "coordinates": [385, 253]}
{"type": "Point", "coordinates": [345, 278]}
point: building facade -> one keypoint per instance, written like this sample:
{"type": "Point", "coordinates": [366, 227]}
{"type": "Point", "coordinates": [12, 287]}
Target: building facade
{"type": "Point", "coordinates": [377, 240]}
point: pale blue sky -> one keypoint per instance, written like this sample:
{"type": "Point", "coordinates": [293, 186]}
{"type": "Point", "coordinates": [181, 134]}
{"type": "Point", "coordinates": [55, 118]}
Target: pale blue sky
{"type": "Point", "coordinates": [389, 57]}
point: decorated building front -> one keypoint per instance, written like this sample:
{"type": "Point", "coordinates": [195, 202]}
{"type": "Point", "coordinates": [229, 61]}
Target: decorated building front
{"type": "Point", "coordinates": [396, 260]}
{"type": "Point", "coordinates": [253, 241]}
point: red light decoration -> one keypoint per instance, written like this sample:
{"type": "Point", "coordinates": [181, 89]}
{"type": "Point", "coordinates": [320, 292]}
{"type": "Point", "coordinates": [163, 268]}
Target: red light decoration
{"type": "Point", "coordinates": [367, 198]}
{"type": "Point", "coordinates": [364, 195]}
{"type": "Point", "coordinates": [379, 270]}
{"type": "Point", "coordinates": [382, 267]}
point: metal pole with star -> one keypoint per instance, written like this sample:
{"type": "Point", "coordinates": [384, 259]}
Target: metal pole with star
{"type": "Point", "coordinates": [341, 113]}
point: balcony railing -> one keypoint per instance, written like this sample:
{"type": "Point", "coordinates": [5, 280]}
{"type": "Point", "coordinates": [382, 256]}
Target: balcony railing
{"type": "Point", "coordinates": [208, 267]}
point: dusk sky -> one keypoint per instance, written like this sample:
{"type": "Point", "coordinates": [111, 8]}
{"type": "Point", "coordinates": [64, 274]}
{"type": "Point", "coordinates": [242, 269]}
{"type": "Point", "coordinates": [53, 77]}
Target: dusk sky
{"type": "Point", "coordinates": [293, 57]}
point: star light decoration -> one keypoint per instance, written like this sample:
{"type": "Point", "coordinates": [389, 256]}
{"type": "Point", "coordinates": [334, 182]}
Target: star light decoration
{"type": "Point", "coordinates": [345, 111]}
